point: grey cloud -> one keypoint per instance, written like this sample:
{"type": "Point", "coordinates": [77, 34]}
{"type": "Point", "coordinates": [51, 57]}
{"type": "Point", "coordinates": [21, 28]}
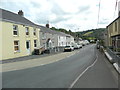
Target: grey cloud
{"type": "Point", "coordinates": [73, 27]}
{"type": "Point", "coordinates": [15, 7]}
{"type": "Point", "coordinates": [60, 19]}
{"type": "Point", "coordinates": [41, 18]}
{"type": "Point", "coordinates": [56, 9]}
{"type": "Point", "coordinates": [34, 4]}
{"type": "Point", "coordinates": [104, 21]}
{"type": "Point", "coordinates": [83, 9]}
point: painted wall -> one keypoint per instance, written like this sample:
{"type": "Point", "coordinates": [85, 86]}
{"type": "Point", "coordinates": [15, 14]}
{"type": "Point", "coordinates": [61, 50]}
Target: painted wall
{"type": "Point", "coordinates": [53, 37]}
{"type": "Point", "coordinates": [61, 40]}
{"type": "Point", "coordinates": [8, 40]}
{"type": "Point", "coordinates": [113, 30]}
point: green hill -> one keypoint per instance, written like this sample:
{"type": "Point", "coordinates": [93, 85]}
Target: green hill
{"type": "Point", "coordinates": [91, 34]}
{"type": "Point", "coordinates": [88, 34]}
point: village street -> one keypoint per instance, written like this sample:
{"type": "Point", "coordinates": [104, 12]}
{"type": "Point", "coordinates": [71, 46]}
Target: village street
{"type": "Point", "coordinates": [83, 68]}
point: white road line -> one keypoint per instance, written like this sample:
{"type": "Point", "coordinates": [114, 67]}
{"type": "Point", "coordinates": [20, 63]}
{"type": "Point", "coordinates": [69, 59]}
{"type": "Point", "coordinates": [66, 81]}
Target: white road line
{"type": "Point", "coordinates": [71, 86]}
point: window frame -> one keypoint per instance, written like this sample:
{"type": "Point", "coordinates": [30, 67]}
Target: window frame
{"type": "Point", "coordinates": [115, 26]}
{"type": "Point", "coordinates": [35, 44]}
{"type": "Point", "coordinates": [18, 45]}
{"type": "Point", "coordinates": [27, 31]}
{"type": "Point", "coordinates": [34, 31]}
{"type": "Point", "coordinates": [15, 30]}
{"type": "Point", "coordinates": [43, 35]}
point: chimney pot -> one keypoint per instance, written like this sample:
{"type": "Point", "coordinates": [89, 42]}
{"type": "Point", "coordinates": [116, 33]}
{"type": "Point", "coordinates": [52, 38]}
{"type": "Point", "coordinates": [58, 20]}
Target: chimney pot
{"type": "Point", "coordinates": [20, 13]}
{"type": "Point", "coordinates": [47, 25]}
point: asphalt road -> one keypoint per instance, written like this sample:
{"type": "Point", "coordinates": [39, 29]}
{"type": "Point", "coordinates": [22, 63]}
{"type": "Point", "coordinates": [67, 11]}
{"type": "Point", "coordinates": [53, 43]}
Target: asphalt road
{"type": "Point", "coordinates": [62, 74]}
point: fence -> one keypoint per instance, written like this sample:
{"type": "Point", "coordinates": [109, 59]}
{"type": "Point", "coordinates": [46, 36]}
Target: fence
{"type": "Point", "coordinates": [54, 50]}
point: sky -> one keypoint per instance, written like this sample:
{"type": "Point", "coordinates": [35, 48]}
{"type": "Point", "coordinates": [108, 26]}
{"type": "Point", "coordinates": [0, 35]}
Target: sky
{"type": "Point", "coordinates": [75, 15]}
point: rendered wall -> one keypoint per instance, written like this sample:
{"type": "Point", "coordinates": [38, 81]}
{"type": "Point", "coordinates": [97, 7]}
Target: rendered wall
{"type": "Point", "coordinates": [8, 40]}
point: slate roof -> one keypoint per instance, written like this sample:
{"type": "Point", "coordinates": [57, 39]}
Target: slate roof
{"type": "Point", "coordinates": [114, 21]}
{"type": "Point", "coordinates": [13, 17]}
{"type": "Point", "coordinates": [48, 30]}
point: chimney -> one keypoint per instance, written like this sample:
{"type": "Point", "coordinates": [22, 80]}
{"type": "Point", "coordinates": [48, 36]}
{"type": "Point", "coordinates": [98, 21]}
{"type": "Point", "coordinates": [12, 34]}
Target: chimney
{"type": "Point", "coordinates": [47, 25]}
{"type": "Point", "coordinates": [20, 13]}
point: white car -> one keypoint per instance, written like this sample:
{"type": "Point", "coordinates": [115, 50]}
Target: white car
{"type": "Point", "coordinates": [80, 45]}
{"type": "Point", "coordinates": [69, 48]}
{"type": "Point", "coordinates": [76, 46]}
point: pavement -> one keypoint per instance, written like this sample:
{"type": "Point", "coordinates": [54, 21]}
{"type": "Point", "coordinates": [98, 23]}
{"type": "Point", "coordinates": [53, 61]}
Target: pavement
{"type": "Point", "coordinates": [24, 58]}
{"type": "Point", "coordinates": [33, 61]}
{"type": "Point", "coordinates": [115, 64]}
{"type": "Point", "coordinates": [81, 70]}
{"type": "Point", "coordinates": [101, 74]}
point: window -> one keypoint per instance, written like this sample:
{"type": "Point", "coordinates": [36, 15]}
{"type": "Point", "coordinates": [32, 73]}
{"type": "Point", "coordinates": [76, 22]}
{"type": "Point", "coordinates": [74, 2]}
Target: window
{"type": "Point", "coordinates": [16, 46]}
{"type": "Point", "coordinates": [53, 44]}
{"type": "Point", "coordinates": [111, 28]}
{"type": "Point", "coordinates": [59, 37]}
{"type": "Point", "coordinates": [59, 44]}
{"type": "Point", "coordinates": [34, 32]}
{"type": "Point", "coordinates": [118, 37]}
{"type": "Point", "coordinates": [35, 43]}
{"type": "Point", "coordinates": [52, 36]}
{"type": "Point", "coordinates": [27, 31]}
{"type": "Point", "coordinates": [43, 36]}
{"type": "Point", "coordinates": [115, 26]}
{"type": "Point", "coordinates": [15, 30]}
{"type": "Point", "coordinates": [62, 43]}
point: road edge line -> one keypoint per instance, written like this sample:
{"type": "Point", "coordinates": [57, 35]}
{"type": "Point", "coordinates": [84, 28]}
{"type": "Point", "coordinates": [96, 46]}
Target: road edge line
{"type": "Point", "coordinates": [74, 82]}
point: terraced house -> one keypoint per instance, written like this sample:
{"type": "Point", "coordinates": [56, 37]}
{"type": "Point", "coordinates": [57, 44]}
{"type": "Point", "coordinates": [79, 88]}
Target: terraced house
{"type": "Point", "coordinates": [54, 39]}
{"type": "Point", "coordinates": [20, 36]}
{"type": "Point", "coordinates": [114, 34]}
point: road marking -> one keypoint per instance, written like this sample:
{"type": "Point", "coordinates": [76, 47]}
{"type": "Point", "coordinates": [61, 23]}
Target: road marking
{"type": "Point", "coordinates": [74, 82]}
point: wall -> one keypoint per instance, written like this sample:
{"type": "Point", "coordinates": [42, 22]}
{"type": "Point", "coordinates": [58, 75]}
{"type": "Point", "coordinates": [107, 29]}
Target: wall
{"type": "Point", "coordinates": [61, 40]}
{"type": "Point", "coordinates": [8, 40]}
{"type": "Point", "coordinates": [112, 31]}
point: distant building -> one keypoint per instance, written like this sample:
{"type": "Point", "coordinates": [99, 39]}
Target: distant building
{"type": "Point", "coordinates": [50, 38]}
{"type": "Point", "coordinates": [19, 35]}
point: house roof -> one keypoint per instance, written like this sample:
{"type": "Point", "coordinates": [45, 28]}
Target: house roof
{"type": "Point", "coordinates": [13, 17]}
{"type": "Point", "coordinates": [113, 21]}
{"type": "Point", "coordinates": [48, 30]}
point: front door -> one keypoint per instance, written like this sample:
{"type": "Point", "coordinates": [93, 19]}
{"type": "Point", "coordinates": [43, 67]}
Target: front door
{"type": "Point", "coordinates": [28, 47]}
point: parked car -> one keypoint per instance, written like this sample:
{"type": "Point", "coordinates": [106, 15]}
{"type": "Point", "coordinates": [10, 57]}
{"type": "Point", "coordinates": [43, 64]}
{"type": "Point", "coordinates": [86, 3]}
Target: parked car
{"type": "Point", "coordinates": [80, 45]}
{"type": "Point", "coordinates": [69, 48]}
{"type": "Point", "coordinates": [76, 46]}
{"type": "Point", "coordinates": [85, 42]}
